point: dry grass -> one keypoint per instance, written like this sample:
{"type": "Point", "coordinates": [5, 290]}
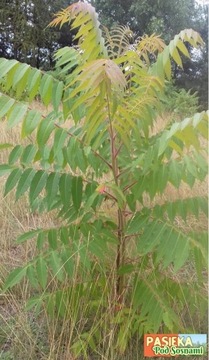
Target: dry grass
{"type": "Point", "coordinates": [22, 336]}
{"type": "Point", "coordinates": [16, 218]}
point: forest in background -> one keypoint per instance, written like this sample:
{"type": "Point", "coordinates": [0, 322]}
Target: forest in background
{"type": "Point", "coordinates": [24, 34]}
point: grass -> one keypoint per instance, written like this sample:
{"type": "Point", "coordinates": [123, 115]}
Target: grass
{"type": "Point", "coordinates": [23, 335]}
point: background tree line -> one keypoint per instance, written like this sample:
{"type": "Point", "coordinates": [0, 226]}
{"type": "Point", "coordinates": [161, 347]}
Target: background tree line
{"type": "Point", "coordinates": [24, 34]}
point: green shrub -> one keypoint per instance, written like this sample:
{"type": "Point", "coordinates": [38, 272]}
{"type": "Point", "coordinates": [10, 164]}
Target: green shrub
{"type": "Point", "coordinates": [180, 102]}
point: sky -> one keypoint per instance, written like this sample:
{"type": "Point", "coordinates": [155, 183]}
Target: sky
{"type": "Point", "coordinates": [203, 2]}
{"type": "Point", "coordinates": [201, 338]}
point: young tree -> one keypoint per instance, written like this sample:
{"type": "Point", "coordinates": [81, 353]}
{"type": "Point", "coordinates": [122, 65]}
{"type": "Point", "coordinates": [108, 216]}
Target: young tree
{"type": "Point", "coordinates": [116, 249]}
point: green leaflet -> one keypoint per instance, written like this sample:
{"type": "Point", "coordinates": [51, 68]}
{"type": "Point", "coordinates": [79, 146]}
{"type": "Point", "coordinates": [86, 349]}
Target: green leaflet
{"type": "Point", "coordinates": [72, 148]}
{"type": "Point", "coordinates": [126, 269]}
{"type": "Point", "coordinates": [28, 235]}
{"type": "Point", "coordinates": [9, 77]}
{"type": "Point", "coordinates": [177, 253]}
{"type": "Point", "coordinates": [161, 177]}
{"type": "Point", "coordinates": [59, 140]}
{"type": "Point", "coordinates": [5, 169]}
{"type": "Point", "coordinates": [34, 302]}
{"type": "Point", "coordinates": [70, 214]}
{"type": "Point", "coordinates": [97, 246]}
{"type": "Point", "coordinates": [175, 173]}
{"type": "Point", "coordinates": [50, 305]}
{"type": "Point", "coordinates": [65, 189]}
{"type": "Point", "coordinates": [32, 277]}
{"type": "Point", "coordinates": [30, 122]}
{"type": "Point", "coordinates": [65, 55]}
{"type": "Point", "coordinates": [34, 83]}
{"type": "Point", "coordinates": [66, 104]}
{"type": "Point", "coordinates": [77, 188]}
{"type": "Point", "coordinates": [84, 257]}
{"type": "Point", "coordinates": [168, 321]}
{"type": "Point", "coordinates": [15, 154]}
{"type": "Point", "coordinates": [12, 180]}
{"type": "Point", "coordinates": [167, 64]}
{"type": "Point", "coordinates": [136, 223]}
{"type": "Point", "coordinates": [154, 307]}
{"type": "Point", "coordinates": [6, 66]}
{"type": "Point", "coordinates": [68, 262]}
{"type": "Point", "coordinates": [191, 166]}
{"type": "Point", "coordinates": [43, 155]}
{"type": "Point", "coordinates": [52, 239]}
{"type": "Point", "coordinates": [80, 159]}
{"type": "Point", "coordinates": [28, 154]}
{"type": "Point", "coordinates": [62, 302]}
{"type": "Point", "coordinates": [175, 54]}
{"type": "Point", "coordinates": [6, 104]}
{"type": "Point", "coordinates": [182, 252]}
{"type": "Point", "coordinates": [16, 115]}
{"type": "Point", "coordinates": [20, 73]}
{"type": "Point", "coordinates": [46, 87]}
{"type": "Point", "coordinates": [24, 182]}
{"type": "Point", "coordinates": [78, 347]}
{"type": "Point", "coordinates": [92, 201]}
{"type": "Point", "coordinates": [124, 335]}
{"type": "Point", "coordinates": [64, 236]}
{"type": "Point", "coordinates": [118, 194]}
{"type": "Point", "coordinates": [22, 84]}
{"type": "Point", "coordinates": [52, 188]}
{"type": "Point", "coordinates": [41, 269]}
{"type": "Point", "coordinates": [14, 277]}
{"type": "Point", "coordinates": [37, 184]}
{"type": "Point", "coordinates": [151, 236]}
{"type": "Point", "coordinates": [45, 129]}
{"type": "Point", "coordinates": [57, 93]}
{"type": "Point", "coordinates": [56, 265]}
{"type": "Point", "coordinates": [199, 241]}
{"type": "Point", "coordinates": [131, 202]}
{"type": "Point", "coordinates": [182, 48]}
{"type": "Point", "coordinates": [41, 239]}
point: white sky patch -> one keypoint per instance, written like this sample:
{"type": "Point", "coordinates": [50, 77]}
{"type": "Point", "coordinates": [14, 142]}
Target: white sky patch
{"type": "Point", "coordinates": [203, 2]}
